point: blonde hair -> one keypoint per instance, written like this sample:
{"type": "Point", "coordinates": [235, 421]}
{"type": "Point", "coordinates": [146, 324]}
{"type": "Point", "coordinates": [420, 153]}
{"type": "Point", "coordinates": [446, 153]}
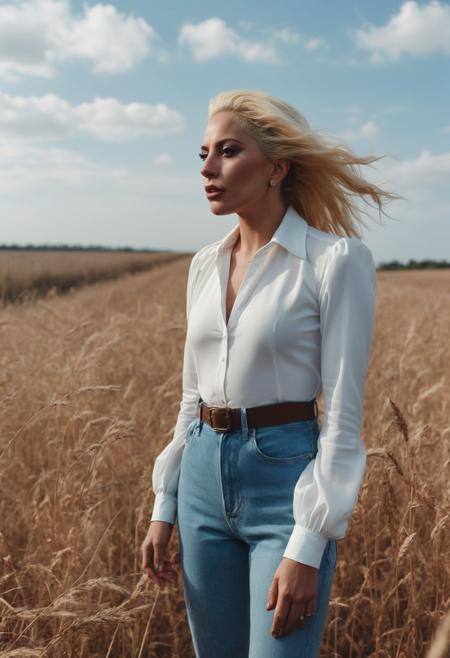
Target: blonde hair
{"type": "Point", "coordinates": [322, 178]}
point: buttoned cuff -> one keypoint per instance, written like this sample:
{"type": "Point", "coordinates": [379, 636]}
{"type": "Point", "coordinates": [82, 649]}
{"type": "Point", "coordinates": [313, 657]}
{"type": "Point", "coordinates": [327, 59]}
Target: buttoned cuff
{"type": "Point", "coordinates": [305, 546]}
{"type": "Point", "coordinates": [164, 508]}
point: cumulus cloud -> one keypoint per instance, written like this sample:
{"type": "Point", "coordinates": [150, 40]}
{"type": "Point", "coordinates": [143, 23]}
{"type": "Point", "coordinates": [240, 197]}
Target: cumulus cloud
{"type": "Point", "coordinates": [36, 36]}
{"type": "Point", "coordinates": [49, 116]}
{"type": "Point", "coordinates": [416, 30]}
{"type": "Point", "coordinates": [427, 169]}
{"type": "Point", "coordinates": [212, 38]}
{"type": "Point", "coordinates": [368, 130]}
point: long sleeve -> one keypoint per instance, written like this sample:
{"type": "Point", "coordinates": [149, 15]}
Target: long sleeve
{"type": "Point", "coordinates": [327, 490]}
{"type": "Point", "coordinates": [166, 468]}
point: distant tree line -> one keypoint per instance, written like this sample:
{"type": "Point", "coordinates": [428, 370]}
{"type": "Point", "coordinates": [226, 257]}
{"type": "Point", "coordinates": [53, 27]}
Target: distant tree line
{"type": "Point", "coordinates": [75, 247]}
{"type": "Point", "coordinates": [413, 264]}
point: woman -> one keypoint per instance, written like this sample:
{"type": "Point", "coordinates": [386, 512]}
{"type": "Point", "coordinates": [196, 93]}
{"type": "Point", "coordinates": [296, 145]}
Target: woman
{"type": "Point", "coordinates": [279, 309]}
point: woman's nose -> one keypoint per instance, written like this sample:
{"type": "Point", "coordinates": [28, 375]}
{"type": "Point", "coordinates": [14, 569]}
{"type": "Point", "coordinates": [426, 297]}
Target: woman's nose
{"type": "Point", "coordinates": [208, 170]}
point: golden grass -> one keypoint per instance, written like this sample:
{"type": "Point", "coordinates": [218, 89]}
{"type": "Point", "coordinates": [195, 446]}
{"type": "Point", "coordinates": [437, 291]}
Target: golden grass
{"type": "Point", "coordinates": [29, 274]}
{"type": "Point", "coordinates": [84, 381]}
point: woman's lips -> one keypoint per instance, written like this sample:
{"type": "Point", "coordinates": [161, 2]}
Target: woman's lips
{"type": "Point", "coordinates": [212, 194]}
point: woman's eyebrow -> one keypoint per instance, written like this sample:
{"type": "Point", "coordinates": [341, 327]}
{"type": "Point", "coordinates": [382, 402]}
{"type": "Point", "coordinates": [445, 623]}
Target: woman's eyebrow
{"type": "Point", "coordinates": [226, 139]}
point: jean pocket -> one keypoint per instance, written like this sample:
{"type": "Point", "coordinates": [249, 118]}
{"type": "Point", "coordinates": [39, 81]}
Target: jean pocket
{"type": "Point", "coordinates": [286, 442]}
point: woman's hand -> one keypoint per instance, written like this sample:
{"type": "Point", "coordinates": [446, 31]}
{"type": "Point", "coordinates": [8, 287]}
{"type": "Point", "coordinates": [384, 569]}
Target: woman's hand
{"type": "Point", "coordinates": [157, 567]}
{"type": "Point", "coordinates": [294, 593]}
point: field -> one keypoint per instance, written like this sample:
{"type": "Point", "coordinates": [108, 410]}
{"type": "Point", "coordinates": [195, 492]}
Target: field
{"type": "Point", "coordinates": [29, 274]}
{"type": "Point", "coordinates": [89, 391]}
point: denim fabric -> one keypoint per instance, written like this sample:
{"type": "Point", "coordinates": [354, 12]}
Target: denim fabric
{"type": "Point", "coordinates": [235, 517]}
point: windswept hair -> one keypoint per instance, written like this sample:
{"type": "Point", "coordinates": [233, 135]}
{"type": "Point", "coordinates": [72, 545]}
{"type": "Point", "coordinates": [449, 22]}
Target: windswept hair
{"type": "Point", "coordinates": [322, 177]}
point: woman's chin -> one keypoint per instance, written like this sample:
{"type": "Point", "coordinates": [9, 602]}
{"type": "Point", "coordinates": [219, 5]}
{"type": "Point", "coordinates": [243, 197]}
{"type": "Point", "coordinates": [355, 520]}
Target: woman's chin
{"type": "Point", "coordinates": [218, 208]}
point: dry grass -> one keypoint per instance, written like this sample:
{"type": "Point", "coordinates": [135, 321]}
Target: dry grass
{"type": "Point", "coordinates": [27, 275]}
{"type": "Point", "coordinates": [83, 383]}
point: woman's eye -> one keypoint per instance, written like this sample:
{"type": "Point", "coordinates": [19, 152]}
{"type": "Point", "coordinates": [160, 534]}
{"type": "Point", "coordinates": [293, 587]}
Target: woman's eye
{"type": "Point", "coordinates": [227, 151]}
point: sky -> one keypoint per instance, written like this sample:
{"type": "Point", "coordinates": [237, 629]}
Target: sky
{"type": "Point", "coordinates": [103, 108]}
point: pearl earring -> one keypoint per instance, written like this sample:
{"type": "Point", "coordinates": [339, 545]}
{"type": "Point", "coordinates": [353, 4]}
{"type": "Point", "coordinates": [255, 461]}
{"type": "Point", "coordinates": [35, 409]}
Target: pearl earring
{"type": "Point", "coordinates": [272, 182]}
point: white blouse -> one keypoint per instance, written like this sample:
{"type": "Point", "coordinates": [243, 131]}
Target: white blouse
{"type": "Point", "coordinates": [302, 322]}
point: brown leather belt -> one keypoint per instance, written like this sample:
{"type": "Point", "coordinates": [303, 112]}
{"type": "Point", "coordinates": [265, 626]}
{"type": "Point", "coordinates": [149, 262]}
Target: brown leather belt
{"type": "Point", "coordinates": [225, 419]}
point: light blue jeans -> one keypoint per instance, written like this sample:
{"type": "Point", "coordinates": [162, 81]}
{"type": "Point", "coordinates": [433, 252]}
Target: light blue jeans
{"type": "Point", "coordinates": [235, 517]}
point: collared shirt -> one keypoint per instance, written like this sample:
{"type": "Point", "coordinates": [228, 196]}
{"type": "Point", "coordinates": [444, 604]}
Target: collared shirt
{"type": "Point", "coordinates": [302, 323]}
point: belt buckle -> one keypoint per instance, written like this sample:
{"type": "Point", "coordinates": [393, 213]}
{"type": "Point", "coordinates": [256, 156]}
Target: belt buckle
{"type": "Point", "coordinates": [226, 410]}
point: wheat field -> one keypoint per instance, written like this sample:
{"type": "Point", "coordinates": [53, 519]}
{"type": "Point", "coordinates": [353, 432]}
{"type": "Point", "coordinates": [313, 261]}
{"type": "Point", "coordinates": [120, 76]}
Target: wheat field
{"type": "Point", "coordinates": [84, 380]}
{"type": "Point", "coordinates": [28, 274]}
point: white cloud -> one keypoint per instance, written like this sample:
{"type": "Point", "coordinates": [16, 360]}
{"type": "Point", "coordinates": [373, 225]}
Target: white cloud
{"type": "Point", "coordinates": [416, 30]}
{"type": "Point", "coordinates": [109, 119]}
{"type": "Point", "coordinates": [111, 41]}
{"type": "Point", "coordinates": [420, 226]}
{"type": "Point", "coordinates": [48, 116]}
{"type": "Point", "coordinates": [315, 43]}
{"type": "Point", "coordinates": [213, 38]}
{"type": "Point", "coordinates": [367, 130]}
{"type": "Point", "coordinates": [37, 35]}
{"type": "Point", "coordinates": [162, 159]}
{"type": "Point", "coordinates": [286, 34]}
{"type": "Point", "coordinates": [25, 166]}
{"type": "Point", "coordinates": [426, 170]}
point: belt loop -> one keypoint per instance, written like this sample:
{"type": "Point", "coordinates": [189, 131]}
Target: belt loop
{"type": "Point", "coordinates": [200, 413]}
{"type": "Point", "coordinates": [316, 407]}
{"type": "Point", "coordinates": [244, 423]}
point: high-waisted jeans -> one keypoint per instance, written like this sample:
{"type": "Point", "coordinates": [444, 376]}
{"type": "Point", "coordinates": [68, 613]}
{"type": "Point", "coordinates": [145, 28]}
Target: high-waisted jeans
{"type": "Point", "coordinates": [235, 517]}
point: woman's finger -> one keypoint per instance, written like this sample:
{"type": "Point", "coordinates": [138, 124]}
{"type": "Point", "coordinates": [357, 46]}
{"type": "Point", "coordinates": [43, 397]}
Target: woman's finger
{"type": "Point", "coordinates": [310, 609]}
{"type": "Point", "coordinates": [148, 563]}
{"type": "Point", "coordinates": [293, 620]}
{"type": "Point", "coordinates": [167, 573]}
{"type": "Point", "coordinates": [280, 615]}
{"type": "Point", "coordinates": [306, 613]}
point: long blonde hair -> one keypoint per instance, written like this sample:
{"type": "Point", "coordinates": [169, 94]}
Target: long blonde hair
{"type": "Point", "coordinates": [322, 178]}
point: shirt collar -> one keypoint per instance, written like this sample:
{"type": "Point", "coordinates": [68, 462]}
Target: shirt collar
{"type": "Point", "coordinates": [291, 234]}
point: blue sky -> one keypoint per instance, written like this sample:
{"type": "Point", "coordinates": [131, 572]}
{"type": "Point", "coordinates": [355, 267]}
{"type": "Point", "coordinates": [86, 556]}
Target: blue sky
{"type": "Point", "coordinates": [103, 109]}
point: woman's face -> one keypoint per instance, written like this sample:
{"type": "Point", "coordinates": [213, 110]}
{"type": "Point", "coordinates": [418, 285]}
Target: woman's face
{"type": "Point", "coordinates": [234, 162]}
